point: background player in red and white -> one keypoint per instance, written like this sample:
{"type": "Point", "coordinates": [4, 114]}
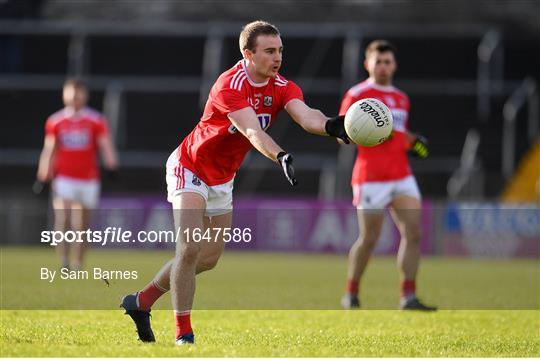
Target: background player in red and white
{"type": "Point", "coordinates": [73, 136]}
{"type": "Point", "coordinates": [242, 105]}
{"type": "Point", "coordinates": [382, 177]}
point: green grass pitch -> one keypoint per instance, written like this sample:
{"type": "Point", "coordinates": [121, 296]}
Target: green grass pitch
{"type": "Point", "coordinates": [272, 304]}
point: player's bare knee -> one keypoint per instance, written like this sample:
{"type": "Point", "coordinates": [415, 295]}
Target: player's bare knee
{"type": "Point", "coordinates": [189, 253]}
{"type": "Point", "coordinates": [370, 245]}
{"type": "Point", "coordinates": [413, 236]}
{"type": "Point", "coordinates": [206, 264]}
{"type": "Point", "coordinates": [368, 240]}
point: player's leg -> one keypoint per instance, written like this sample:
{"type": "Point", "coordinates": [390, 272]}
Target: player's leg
{"type": "Point", "coordinates": [406, 212]}
{"type": "Point", "coordinates": [80, 221]}
{"type": "Point", "coordinates": [160, 284]}
{"type": "Point", "coordinates": [218, 216]}
{"type": "Point", "coordinates": [371, 200]}
{"type": "Point", "coordinates": [217, 205]}
{"type": "Point", "coordinates": [86, 196]}
{"type": "Point", "coordinates": [180, 183]}
{"type": "Point", "coordinates": [189, 211]}
{"type": "Point", "coordinates": [62, 210]}
{"type": "Point", "coordinates": [64, 195]}
{"type": "Point", "coordinates": [369, 226]}
{"type": "Point", "coordinates": [211, 251]}
{"type": "Point", "coordinates": [177, 275]}
{"type": "Point", "coordinates": [209, 256]}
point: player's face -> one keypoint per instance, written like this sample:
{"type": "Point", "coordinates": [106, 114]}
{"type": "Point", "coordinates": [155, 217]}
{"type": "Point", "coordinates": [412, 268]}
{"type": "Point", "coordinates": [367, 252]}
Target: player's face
{"type": "Point", "coordinates": [381, 66]}
{"type": "Point", "coordinates": [266, 59]}
{"type": "Point", "coordinates": [75, 97]}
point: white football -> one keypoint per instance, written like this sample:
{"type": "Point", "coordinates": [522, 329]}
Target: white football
{"type": "Point", "coordinates": [368, 122]}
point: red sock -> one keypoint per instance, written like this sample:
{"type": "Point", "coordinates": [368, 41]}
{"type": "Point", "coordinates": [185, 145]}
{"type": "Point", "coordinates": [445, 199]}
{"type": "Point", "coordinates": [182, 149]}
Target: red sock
{"type": "Point", "coordinates": [148, 296]}
{"type": "Point", "coordinates": [352, 286]}
{"type": "Point", "coordinates": [183, 323]}
{"type": "Point", "coordinates": [408, 287]}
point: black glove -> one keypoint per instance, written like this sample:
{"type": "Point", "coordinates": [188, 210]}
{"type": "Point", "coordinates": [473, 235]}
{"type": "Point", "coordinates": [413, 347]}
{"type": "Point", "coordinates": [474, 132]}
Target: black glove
{"type": "Point", "coordinates": [39, 187]}
{"type": "Point", "coordinates": [285, 160]}
{"type": "Point", "coordinates": [419, 147]}
{"type": "Point", "coordinates": [335, 127]}
{"type": "Point", "coordinates": [111, 175]}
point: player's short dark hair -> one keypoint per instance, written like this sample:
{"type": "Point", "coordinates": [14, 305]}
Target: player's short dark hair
{"type": "Point", "coordinates": [76, 82]}
{"type": "Point", "coordinates": [380, 46]}
{"type": "Point", "coordinates": [248, 36]}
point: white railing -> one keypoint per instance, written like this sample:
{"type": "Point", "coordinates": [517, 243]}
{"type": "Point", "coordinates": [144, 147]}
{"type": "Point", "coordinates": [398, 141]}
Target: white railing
{"type": "Point", "coordinates": [527, 93]}
{"type": "Point", "coordinates": [490, 72]}
{"type": "Point", "coordinates": [468, 179]}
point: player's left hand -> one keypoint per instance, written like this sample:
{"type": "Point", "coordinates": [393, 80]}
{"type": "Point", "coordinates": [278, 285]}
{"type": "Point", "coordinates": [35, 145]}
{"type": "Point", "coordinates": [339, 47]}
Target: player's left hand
{"type": "Point", "coordinates": [419, 147]}
{"type": "Point", "coordinates": [285, 160]}
{"type": "Point", "coordinates": [335, 127]}
{"type": "Point", "coordinates": [39, 187]}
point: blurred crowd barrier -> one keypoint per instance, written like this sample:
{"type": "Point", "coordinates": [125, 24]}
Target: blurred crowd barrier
{"type": "Point", "coordinates": [152, 91]}
{"type": "Point", "coordinates": [475, 229]}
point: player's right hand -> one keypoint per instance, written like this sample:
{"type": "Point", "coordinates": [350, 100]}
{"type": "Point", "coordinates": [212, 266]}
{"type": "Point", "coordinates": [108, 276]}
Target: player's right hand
{"type": "Point", "coordinates": [111, 174]}
{"type": "Point", "coordinates": [285, 160]}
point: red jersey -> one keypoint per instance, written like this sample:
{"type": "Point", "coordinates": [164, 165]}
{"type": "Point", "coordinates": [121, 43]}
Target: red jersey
{"type": "Point", "coordinates": [76, 135]}
{"type": "Point", "coordinates": [215, 149]}
{"type": "Point", "coordinates": [387, 161]}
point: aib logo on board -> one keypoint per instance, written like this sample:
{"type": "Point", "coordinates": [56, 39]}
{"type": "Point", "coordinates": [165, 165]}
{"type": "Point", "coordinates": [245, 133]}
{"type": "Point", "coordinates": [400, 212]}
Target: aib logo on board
{"type": "Point", "coordinates": [264, 121]}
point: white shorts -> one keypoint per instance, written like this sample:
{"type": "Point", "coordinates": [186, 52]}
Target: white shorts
{"type": "Point", "coordinates": [181, 180]}
{"type": "Point", "coordinates": [84, 191]}
{"type": "Point", "coordinates": [378, 195]}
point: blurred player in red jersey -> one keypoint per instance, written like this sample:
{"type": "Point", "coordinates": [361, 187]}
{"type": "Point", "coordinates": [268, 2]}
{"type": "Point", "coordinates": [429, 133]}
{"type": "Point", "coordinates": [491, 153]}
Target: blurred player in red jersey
{"type": "Point", "coordinates": [73, 136]}
{"type": "Point", "coordinates": [243, 103]}
{"type": "Point", "coordinates": [382, 177]}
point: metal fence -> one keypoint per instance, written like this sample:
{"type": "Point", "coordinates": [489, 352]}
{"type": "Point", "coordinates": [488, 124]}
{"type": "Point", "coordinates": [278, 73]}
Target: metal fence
{"type": "Point", "coordinates": [489, 80]}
